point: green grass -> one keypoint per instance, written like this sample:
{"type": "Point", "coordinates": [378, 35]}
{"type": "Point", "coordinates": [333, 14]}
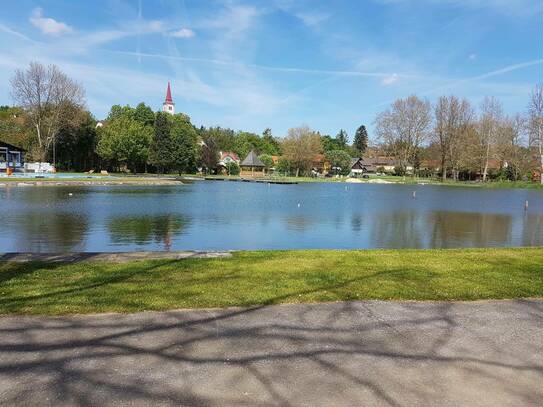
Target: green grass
{"type": "Point", "coordinates": [270, 277]}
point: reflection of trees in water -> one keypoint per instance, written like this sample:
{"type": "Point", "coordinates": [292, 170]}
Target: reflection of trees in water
{"type": "Point", "coordinates": [532, 230]}
{"type": "Point", "coordinates": [51, 232]}
{"type": "Point", "coordinates": [299, 223]}
{"type": "Point", "coordinates": [468, 229]}
{"type": "Point", "coordinates": [145, 229]}
{"type": "Point", "coordinates": [396, 230]}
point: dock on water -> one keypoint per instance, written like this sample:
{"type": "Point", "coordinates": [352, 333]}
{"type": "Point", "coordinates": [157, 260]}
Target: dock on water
{"type": "Point", "coordinates": [256, 180]}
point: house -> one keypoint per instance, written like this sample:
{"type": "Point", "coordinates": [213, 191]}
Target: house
{"type": "Point", "coordinates": [376, 164]}
{"type": "Point", "coordinates": [320, 164]}
{"type": "Point", "coordinates": [225, 160]}
{"type": "Point", "coordinates": [228, 157]}
{"type": "Point", "coordinates": [11, 157]}
{"type": "Point", "coordinates": [252, 164]}
{"type": "Point", "coordinates": [361, 166]}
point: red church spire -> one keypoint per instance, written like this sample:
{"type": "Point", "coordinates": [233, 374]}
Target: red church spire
{"type": "Point", "coordinates": [169, 99]}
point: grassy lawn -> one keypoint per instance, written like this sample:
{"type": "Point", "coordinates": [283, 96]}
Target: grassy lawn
{"type": "Point", "coordinates": [270, 277]}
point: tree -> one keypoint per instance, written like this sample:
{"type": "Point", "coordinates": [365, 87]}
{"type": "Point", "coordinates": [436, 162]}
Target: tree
{"type": "Point", "coordinates": [209, 154]}
{"type": "Point", "coordinates": [267, 160]}
{"type": "Point", "coordinates": [535, 123]}
{"type": "Point", "coordinates": [76, 143]}
{"type": "Point", "coordinates": [452, 118]}
{"type": "Point", "coordinates": [144, 114]}
{"type": "Point", "coordinates": [125, 140]}
{"type": "Point", "coordinates": [46, 94]}
{"type": "Point", "coordinates": [360, 143]}
{"type": "Point", "coordinates": [342, 138]}
{"type": "Point", "coordinates": [489, 124]}
{"type": "Point", "coordinates": [160, 153]}
{"type": "Point", "coordinates": [330, 144]}
{"type": "Point", "coordinates": [184, 143]}
{"type": "Point", "coordinates": [340, 161]}
{"type": "Point", "coordinates": [404, 127]}
{"type": "Point", "coordinates": [300, 147]}
{"type": "Point", "coordinates": [269, 144]}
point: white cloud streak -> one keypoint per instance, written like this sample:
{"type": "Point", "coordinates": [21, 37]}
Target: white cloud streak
{"type": "Point", "coordinates": [48, 26]}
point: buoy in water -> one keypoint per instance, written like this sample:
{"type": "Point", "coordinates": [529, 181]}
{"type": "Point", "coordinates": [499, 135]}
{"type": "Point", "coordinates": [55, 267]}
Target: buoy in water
{"type": "Point", "coordinates": [299, 204]}
{"type": "Point", "coordinates": [526, 205]}
{"type": "Point", "coordinates": [414, 194]}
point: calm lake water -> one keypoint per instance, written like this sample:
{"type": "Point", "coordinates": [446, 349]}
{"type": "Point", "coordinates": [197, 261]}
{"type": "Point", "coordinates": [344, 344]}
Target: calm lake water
{"type": "Point", "coordinates": [233, 215]}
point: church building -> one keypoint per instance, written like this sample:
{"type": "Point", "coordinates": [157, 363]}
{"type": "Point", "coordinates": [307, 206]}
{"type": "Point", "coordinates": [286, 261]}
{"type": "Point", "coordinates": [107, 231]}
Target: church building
{"type": "Point", "coordinates": [168, 106]}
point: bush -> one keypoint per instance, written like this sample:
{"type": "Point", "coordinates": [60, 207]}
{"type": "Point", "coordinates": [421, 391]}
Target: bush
{"type": "Point", "coordinates": [232, 168]}
{"type": "Point", "coordinates": [399, 171]}
{"type": "Point", "coordinates": [284, 166]}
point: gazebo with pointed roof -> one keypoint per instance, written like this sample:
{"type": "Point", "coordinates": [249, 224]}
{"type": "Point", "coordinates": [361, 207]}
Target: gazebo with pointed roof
{"type": "Point", "coordinates": [252, 163]}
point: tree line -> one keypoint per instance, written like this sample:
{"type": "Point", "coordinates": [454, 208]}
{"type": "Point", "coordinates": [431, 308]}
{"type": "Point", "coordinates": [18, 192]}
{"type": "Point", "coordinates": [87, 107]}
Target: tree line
{"type": "Point", "coordinates": [450, 138]}
{"type": "Point", "coordinates": [460, 140]}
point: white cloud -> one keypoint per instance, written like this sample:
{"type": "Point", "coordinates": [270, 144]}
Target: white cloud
{"type": "Point", "coordinates": [182, 33]}
{"type": "Point", "coordinates": [390, 80]}
{"type": "Point", "coordinates": [312, 19]}
{"type": "Point", "coordinates": [48, 25]}
{"type": "Point", "coordinates": [472, 57]}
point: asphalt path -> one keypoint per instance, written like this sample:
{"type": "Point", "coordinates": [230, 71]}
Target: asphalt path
{"type": "Point", "coordinates": [372, 353]}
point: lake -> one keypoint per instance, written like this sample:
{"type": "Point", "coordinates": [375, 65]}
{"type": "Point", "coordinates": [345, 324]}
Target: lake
{"type": "Point", "coordinates": [232, 215]}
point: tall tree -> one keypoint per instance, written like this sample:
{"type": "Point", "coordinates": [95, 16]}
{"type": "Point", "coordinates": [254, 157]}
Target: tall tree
{"type": "Point", "coordinates": [404, 127]}
{"type": "Point", "coordinates": [270, 145]}
{"type": "Point", "coordinates": [209, 154]}
{"type": "Point", "coordinates": [160, 152]}
{"type": "Point", "coordinates": [489, 126]}
{"type": "Point", "coordinates": [47, 95]}
{"type": "Point", "coordinates": [535, 123]}
{"type": "Point", "coordinates": [300, 147]}
{"type": "Point", "coordinates": [342, 138]}
{"type": "Point", "coordinates": [452, 116]}
{"type": "Point", "coordinates": [76, 144]}
{"type": "Point", "coordinates": [360, 143]}
{"type": "Point", "coordinates": [125, 140]}
{"type": "Point", "coordinates": [184, 143]}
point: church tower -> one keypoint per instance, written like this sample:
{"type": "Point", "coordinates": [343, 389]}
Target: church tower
{"type": "Point", "coordinates": [168, 106]}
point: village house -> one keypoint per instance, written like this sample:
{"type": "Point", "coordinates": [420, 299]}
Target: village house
{"type": "Point", "coordinates": [372, 165]}
{"type": "Point", "coordinates": [226, 159]}
{"type": "Point", "coordinates": [11, 157]}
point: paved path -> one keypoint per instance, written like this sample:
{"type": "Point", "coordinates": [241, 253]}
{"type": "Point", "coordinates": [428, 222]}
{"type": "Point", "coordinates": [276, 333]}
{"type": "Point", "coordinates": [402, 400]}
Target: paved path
{"type": "Point", "coordinates": [343, 354]}
{"type": "Point", "coordinates": [117, 257]}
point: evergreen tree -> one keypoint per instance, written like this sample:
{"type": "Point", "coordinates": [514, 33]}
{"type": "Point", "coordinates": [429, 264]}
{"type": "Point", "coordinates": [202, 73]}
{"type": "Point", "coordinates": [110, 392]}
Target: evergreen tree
{"type": "Point", "coordinates": [360, 143]}
{"type": "Point", "coordinates": [342, 138]}
{"type": "Point", "coordinates": [161, 145]}
{"type": "Point", "coordinates": [184, 143]}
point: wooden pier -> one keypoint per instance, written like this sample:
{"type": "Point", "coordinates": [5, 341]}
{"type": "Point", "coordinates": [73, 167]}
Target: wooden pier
{"type": "Point", "coordinates": [255, 180]}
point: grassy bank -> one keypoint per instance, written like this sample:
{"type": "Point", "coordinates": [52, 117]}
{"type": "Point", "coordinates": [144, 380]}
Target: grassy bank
{"type": "Point", "coordinates": [253, 278]}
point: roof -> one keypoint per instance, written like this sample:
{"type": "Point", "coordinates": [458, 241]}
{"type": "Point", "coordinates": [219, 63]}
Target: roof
{"type": "Point", "coordinates": [11, 146]}
{"type": "Point", "coordinates": [169, 99]}
{"type": "Point", "coordinates": [252, 160]}
{"type": "Point", "coordinates": [230, 154]}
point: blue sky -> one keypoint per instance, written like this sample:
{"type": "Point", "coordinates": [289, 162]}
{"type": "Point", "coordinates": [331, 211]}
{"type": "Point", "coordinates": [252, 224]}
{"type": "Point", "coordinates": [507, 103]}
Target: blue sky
{"type": "Point", "coordinates": [280, 63]}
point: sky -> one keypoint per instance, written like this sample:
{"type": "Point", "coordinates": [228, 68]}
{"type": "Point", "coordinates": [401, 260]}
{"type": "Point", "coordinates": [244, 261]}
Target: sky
{"type": "Point", "coordinates": [248, 65]}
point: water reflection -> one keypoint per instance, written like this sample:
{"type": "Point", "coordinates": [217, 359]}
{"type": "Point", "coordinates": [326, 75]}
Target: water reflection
{"type": "Point", "coordinates": [230, 216]}
{"type": "Point", "coordinates": [532, 230]}
{"type": "Point", "coordinates": [399, 229]}
{"type": "Point", "coordinates": [141, 230]}
{"type": "Point", "coordinates": [466, 229]}
{"type": "Point", "coordinates": [52, 233]}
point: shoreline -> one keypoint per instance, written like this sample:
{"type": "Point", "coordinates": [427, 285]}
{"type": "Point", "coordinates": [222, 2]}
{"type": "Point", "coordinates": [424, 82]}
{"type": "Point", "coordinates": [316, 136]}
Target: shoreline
{"type": "Point", "coordinates": [153, 180]}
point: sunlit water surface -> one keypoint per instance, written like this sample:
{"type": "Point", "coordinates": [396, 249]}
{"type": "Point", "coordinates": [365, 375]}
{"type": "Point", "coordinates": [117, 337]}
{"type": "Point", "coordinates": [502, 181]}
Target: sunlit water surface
{"type": "Point", "coordinates": [232, 215]}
